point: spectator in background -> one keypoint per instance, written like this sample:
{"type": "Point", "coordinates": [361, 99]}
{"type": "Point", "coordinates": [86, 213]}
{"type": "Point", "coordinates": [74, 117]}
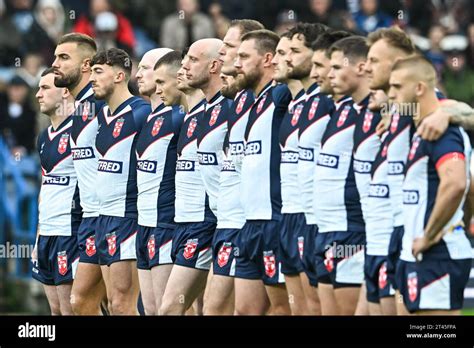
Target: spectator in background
{"type": "Point", "coordinates": [221, 22]}
{"type": "Point", "coordinates": [31, 67]}
{"type": "Point", "coordinates": [458, 78]}
{"type": "Point", "coordinates": [470, 46]}
{"type": "Point", "coordinates": [370, 18]}
{"type": "Point", "coordinates": [10, 38]}
{"type": "Point", "coordinates": [435, 53]}
{"type": "Point", "coordinates": [180, 30]}
{"type": "Point", "coordinates": [18, 117]}
{"type": "Point", "coordinates": [124, 35]}
{"type": "Point", "coordinates": [323, 11]}
{"type": "Point", "coordinates": [21, 13]}
{"type": "Point", "coordinates": [286, 20]}
{"type": "Point", "coordinates": [47, 28]}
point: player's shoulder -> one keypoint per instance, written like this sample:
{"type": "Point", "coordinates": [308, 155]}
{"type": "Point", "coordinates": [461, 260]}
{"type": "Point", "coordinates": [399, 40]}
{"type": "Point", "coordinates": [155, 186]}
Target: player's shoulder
{"type": "Point", "coordinates": [281, 93]}
{"type": "Point", "coordinates": [140, 108]}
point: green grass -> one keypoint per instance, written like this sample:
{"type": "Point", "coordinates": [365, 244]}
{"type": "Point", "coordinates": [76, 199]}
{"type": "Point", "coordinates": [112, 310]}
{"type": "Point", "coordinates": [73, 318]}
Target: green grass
{"type": "Point", "coordinates": [469, 311]}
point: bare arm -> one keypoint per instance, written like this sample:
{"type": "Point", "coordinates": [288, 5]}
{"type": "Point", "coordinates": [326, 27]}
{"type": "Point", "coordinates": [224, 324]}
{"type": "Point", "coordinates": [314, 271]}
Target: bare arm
{"type": "Point", "coordinates": [452, 184]}
{"type": "Point", "coordinates": [450, 112]}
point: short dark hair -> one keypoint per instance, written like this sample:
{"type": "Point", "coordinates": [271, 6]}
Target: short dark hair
{"type": "Point", "coordinates": [324, 41]}
{"type": "Point", "coordinates": [395, 37]}
{"type": "Point", "coordinates": [47, 71]}
{"type": "Point", "coordinates": [114, 57]}
{"type": "Point", "coordinates": [246, 25]}
{"type": "Point", "coordinates": [265, 40]}
{"type": "Point", "coordinates": [354, 47]}
{"type": "Point", "coordinates": [81, 40]}
{"type": "Point", "coordinates": [309, 31]}
{"type": "Point", "coordinates": [172, 58]}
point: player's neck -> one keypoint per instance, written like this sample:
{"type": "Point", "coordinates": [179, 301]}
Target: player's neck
{"type": "Point", "coordinates": [360, 93]}
{"type": "Point", "coordinates": [120, 94]}
{"type": "Point", "coordinates": [193, 98]}
{"type": "Point", "coordinates": [155, 101]}
{"type": "Point", "coordinates": [295, 86]}
{"type": "Point", "coordinates": [307, 82]}
{"type": "Point", "coordinates": [60, 114]}
{"type": "Point", "coordinates": [211, 89]}
{"type": "Point", "coordinates": [80, 86]}
{"type": "Point", "coordinates": [265, 80]}
{"type": "Point", "coordinates": [426, 106]}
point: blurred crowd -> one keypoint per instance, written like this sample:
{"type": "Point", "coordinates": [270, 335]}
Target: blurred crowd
{"type": "Point", "coordinates": [29, 30]}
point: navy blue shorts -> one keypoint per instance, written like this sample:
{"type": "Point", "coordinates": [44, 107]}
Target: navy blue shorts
{"type": "Point", "coordinates": [192, 244]}
{"type": "Point", "coordinates": [115, 239]}
{"type": "Point", "coordinates": [394, 250]}
{"type": "Point", "coordinates": [58, 257]}
{"type": "Point", "coordinates": [306, 246]}
{"type": "Point", "coordinates": [86, 239]}
{"type": "Point", "coordinates": [376, 280]}
{"type": "Point", "coordinates": [153, 246]}
{"type": "Point", "coordinates": [433, 284]}
{"type": "Point", "coordinates": [291, 228]}
{"type": "Point", "coordinates": [224, 251]}
{"type": "Point", "coordinates": [340, 258]}
{"type": "Point", "coordinates": [259, 252]}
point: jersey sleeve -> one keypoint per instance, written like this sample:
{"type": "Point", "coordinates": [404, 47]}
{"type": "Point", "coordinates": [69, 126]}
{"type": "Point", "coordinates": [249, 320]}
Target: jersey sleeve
{"type": "Point", "coordinates": [178, 114]}
{"type": "Point", "coordinates": [281, 97]}
{"type": "Point", "coordinates": [141, 110]}
{"type": "Point", "coordinates": [449, 146]}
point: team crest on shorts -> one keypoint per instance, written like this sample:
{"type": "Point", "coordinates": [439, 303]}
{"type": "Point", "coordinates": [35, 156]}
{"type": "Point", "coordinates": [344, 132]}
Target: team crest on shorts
{"type": "Point", "coordinates": [151, 247]}
{"type": "Point", "coordinates": [260, 104]}
{"type": "Point", "coordinates": [241, 103]}
{"type": "Point", "coordinates": [215, 114]}
{"type": "Point", "coordinates": [412, 283]}
{"type": "Point", "coordinates": [301, 246]}
{"type": "Point", "coordinates": [118, 127]}
{"type": "Point", "coordinates": [190, 248]}
{"type": "Point", "coordinates": [394, 123]}
{"type": "Point", "coordinates": [85, 111]}
{"type": "Point", "coordinates": [191, 127]}
{"type": "Point", "coordinates": [383, 276]}
{"type": "Point", "coordinates": [414, 147]}
{"type": "Point", "coordinates": [312, 110]}
{"type": "Point", "coordinates": [90, 246]}
{"type": "Point", "coordinates": [62, 263]}
{"type": "Point", "coordinates": [224, 254]}
{"type": "Point", "coordinates": [367, 121]}
{"type": "Point", "coordinates": [156, 126]}
{"type": "Point", "coordinates": [269, 261]}
{"type": "Point", "coordinates": [296, 115]}
{"type": "Point", "coordinates": [63, 141]}
{"type": "Point", "coordinates": [343, 116]}
{"type": "Point", "coordinates": [112, 243]}
{"type": "Point", "coordinates": [329, 260]}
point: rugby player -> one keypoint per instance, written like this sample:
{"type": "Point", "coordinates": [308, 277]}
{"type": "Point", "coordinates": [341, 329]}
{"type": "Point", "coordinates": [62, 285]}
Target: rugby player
{"type": "Point", "coordinates": [156, 164]}
{"type": "Point", "coordinates": [259, 255]}
{"type": "Point", "coordinates": [56, 255]}
{"type": "Point", "coordinates": [72, 71]}
{"type": "Point", "coordinates": [436, 256]}
{"type": "Point", "coordinates": [219, 294]}
{"type": "Point", "coordinates": [120, 122]}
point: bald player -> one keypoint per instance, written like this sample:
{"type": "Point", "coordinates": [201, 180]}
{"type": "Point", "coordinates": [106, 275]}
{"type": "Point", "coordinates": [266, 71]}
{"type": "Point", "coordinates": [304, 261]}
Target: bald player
{"type": "Point", "coordinates": [155, 182]}
{"type": "Point", "coordinates": [436, 255]}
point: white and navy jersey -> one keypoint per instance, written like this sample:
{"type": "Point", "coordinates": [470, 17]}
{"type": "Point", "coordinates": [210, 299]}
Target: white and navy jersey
{"type": "Point", "coordinates": [420, 188]}
{"type": "Point", "coordinates": [260, 185]}
{"type": "Point", "coordinates": [398, 144]}
{"type": "Point", "coordinates": [230, 212]}
{"type": "Point", "coordinates": [379, 216]}
{"type": "Point", "coordinates": [314, 118]}
{"type": "Point", "coordinates": [288, 137]}
{"type": "Point", "coordinates": [59, 207]}
{"type": "Point", "coordinates": [366, 145]}
{"type": "Point", "coordinates": [192, 202]}
{"type": "Point", "coordinates": [84, 153]}
{"type": "Point", "coordinates": [336, 198]}
{"type": "Point", "coordinates": [210, 132]}
{"type": "Point", "coordinates": [156, 152]}
{"type": "Point", "coordinates": [117, 167]}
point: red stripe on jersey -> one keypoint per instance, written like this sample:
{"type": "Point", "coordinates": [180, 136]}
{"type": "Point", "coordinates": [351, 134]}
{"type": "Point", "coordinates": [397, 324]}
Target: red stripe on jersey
{"type": "Point", "coordinates": [448, 156]}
